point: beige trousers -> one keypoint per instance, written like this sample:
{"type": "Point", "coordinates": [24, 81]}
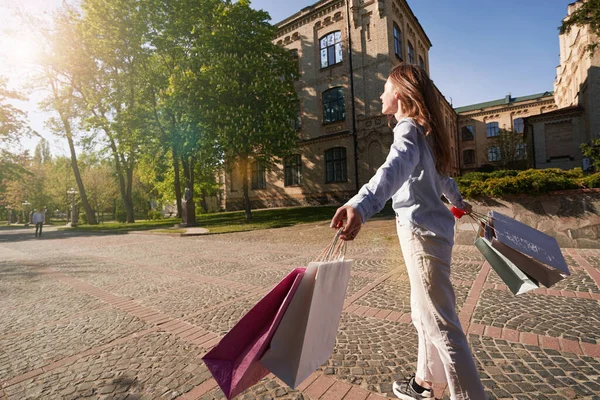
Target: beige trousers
{"type": "Point", "coordinates": [444, 357]}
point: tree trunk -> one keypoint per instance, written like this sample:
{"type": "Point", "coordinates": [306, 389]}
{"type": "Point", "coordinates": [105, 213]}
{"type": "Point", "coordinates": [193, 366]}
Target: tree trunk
{"type": "Point", "coordinates": [89, 212]}
{"type": "Point", "coordinates": [188, 171]}
{"type": "Point", "coordinates": [129, 199]}
{"type": "Point", "coordinates": [177, 180]}
{"type": "Point", "coordinates": [244, 167]}
{"type": "Point", "coordinates": [203, 201]}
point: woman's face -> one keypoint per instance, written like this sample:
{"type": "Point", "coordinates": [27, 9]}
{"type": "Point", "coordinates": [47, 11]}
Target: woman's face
{"type": "Point", "coordinates": [389, 100]}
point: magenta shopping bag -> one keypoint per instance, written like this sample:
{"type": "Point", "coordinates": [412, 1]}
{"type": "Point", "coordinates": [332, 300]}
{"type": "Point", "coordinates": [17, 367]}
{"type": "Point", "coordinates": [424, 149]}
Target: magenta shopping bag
{"type": "Point", "coordinates": [233, 362]}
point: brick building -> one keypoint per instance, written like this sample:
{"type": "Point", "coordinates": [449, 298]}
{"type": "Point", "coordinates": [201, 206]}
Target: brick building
{"type": "Point", "coordinates": [345, 49]}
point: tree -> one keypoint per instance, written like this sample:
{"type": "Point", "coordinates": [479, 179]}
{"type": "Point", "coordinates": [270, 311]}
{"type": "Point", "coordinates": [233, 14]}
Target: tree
{"type": "Point", "coordinates": [592, 151]}
{"type": "Point", "coordinates": [511, 149]}
{"type": "Point", "coordinates": [42, 154]}
{"type": "Point", "coordinates": [250, 98]}
{"type": "Point", "coordinates": [586, 14]}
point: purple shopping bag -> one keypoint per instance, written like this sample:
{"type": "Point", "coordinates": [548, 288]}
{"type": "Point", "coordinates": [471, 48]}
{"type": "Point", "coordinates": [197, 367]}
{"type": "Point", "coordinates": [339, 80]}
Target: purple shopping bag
{"type": "Point", "coordinates": [233, 362]}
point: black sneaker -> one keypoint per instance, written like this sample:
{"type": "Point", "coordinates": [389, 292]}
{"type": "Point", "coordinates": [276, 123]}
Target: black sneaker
{"type": "Point", "coordinates": [404, 390]}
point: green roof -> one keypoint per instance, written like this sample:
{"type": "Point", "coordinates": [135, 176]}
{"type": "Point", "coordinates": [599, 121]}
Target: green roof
{"type": "Point", "coordinates": [508, 100]}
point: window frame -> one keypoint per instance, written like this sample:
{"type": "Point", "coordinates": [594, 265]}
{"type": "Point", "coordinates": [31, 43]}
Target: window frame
{"type": "Point", "coordinates": [469, 151]}
{"type": "Point", "coordinates": [335, 49]}
{"type": "Point", "coordinates": [338, 166]}
{"type": "Point", "coordinates": [466, 138]}
{"type": "Point", "coordinates": [494, 150]}
{"type": "Point", "coordinates": [292, 169]}
{"type": "Point", "coordinates": [410, 55]}
{"type": "Point", "coordinates": [258, 175]}
{"type": "Point", "coordinates": [329, 106]}
{"type": "Point", "coordinates": [398, 41]}
{"type": "Point", "coordinates": [521, 125]}
{"type": "Point", "coordinates": [488, 129]}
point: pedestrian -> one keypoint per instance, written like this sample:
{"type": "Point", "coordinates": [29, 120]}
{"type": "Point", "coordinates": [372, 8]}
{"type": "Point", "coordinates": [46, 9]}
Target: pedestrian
{"type": "Point", "coordinates": [415, 176]}
{"type": "Point", "coordinates": [38, 220]}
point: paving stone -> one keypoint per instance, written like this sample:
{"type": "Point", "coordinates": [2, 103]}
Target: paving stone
{"type": "Point", "coordinates": [563, 317]}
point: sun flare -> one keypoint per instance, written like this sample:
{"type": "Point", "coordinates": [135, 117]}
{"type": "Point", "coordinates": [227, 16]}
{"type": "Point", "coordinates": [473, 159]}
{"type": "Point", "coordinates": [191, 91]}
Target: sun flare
{"type": "Point", "coordinates": [17, 52]}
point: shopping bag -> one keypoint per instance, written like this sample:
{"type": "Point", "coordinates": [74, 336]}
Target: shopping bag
{"type": "Point", "coordinates": [305, 338]}
{"type": "Point", "coordinates": [233, 362]}
{"type": "Point", "coordinates": [532, 251]}
{"type": "Point", "coordinates": [517, 281]}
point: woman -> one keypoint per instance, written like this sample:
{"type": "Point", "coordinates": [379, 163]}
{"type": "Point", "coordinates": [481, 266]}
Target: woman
{"type": "Point", "coordinates": [415, 175]}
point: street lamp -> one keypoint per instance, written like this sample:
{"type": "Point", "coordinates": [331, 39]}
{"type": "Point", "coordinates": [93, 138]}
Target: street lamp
{"type": "Point", "coordinates": [25, 214]}
{"type": "Point", "coordinates": [72, 192]}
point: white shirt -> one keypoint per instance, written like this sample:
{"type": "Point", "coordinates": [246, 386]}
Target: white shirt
{"type": "Point", "coordinates": [409, 177]}
{"type": "Point", "coordinates": [38, 217]}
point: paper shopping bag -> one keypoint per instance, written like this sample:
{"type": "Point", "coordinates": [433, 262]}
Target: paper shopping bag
{"type": "Point", "coordinates": [517, 281]}
{"type": "Point", "coordinates": [233, 362]}
{"type": "Point", "coordinates": [532, 251]}
{"type": "Point", "coordinates": [305, 338]}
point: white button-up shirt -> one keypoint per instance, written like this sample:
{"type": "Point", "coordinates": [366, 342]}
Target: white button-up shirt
{"type": "Point", "coordinates": [38, 217]}
{"type": "Point", "coordinates": [410, 178]}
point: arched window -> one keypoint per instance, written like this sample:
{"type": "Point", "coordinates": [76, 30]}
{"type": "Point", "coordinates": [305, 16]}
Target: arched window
{"type": "Point", "coordinates": [331, 49]}
{"type": "Point", "coordinates": [494, 154]}
{"type": "Point", "coordinates": [492, 129]}
{"type": "Point", "coordinates": [293, 170]}
{"type": "Point", "coordinates": [467, 133]}
{"type": "Point", "coordinates": [334, 108]}
{"type": "Point", "coordinates": [411, 53]}
{"type": "Point", "coordinates": [335, 165]}
{"type": "Point", "coordinates": [518, 125]}
{"type": "Point", "coordinates": [468, 157]}
{"type": "Point", "coordinates": [398, 50]}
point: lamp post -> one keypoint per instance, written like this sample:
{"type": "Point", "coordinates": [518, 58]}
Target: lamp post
{"type": "Point", "coordinates": [25, 213]}
{"type": "Point", "coordinates": [72, 192]}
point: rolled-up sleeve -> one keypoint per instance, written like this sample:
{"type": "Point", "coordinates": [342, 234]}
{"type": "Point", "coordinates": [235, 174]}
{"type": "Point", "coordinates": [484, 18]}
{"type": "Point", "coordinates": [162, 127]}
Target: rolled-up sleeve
{"type": "Point", "coordinates": [397, 168]}
{"type": "Point", "coordinates": [451, 192]}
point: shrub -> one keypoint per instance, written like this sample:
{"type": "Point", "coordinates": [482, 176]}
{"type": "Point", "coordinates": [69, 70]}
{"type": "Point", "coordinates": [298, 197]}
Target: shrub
{"type": "Point", "coordinates": [154, 215]}
{"type": "Point", "coordinates": [532, 181]}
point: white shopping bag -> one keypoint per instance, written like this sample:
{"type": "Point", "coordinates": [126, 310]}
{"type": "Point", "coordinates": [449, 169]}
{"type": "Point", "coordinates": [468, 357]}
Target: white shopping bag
{"type": "Point", "coordinates": [305, 338]}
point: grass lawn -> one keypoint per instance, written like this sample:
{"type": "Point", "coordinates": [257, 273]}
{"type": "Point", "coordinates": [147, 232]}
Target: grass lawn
{"type": "Point", "coordinates": [235, 221]}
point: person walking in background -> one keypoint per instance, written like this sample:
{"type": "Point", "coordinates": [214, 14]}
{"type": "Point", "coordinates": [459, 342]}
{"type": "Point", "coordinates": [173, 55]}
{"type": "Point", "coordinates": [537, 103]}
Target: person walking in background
{"type": "Point", "coordinates": [38, 220]}
{"type": "Point", "coordinates": [415, 176]}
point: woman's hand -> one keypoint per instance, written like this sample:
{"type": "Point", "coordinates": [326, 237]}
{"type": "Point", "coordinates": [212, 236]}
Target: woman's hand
{"type": "Point", "coordinates": [352, 225]}
{"type": "Point", "coordinates": [468, 209]}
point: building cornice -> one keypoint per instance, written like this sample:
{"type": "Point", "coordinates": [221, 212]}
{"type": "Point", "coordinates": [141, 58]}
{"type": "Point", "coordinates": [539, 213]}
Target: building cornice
{"type": "Point", "coordinates": [471, 114]}
{"type": "Point", "coordinates": [325, 138]}
{"type": "Point", "coordinates": [302, 18]}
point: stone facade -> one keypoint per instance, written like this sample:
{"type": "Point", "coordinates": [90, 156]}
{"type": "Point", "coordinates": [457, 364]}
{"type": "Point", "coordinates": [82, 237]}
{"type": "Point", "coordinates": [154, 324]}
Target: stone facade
{"type": "Point", "coordinates": [363, 41]}
{"type": "Point", "coordinates": [479, 123]}
{"type": "Point", "coordinates": [554, 124]}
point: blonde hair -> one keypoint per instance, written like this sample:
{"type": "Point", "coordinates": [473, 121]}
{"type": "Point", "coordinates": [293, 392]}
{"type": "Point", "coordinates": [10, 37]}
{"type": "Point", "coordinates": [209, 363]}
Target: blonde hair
{"type": "Point", "coordinates": [420, 102]}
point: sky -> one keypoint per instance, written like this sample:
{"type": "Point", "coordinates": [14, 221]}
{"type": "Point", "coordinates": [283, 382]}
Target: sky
{"type": "Point", "coordinates": [482, 50]}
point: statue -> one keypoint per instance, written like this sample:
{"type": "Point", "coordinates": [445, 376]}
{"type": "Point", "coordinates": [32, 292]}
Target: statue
{"type": "Point", "coordinates": [188, 209]}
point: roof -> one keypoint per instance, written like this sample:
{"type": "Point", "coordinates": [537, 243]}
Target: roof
{"type": "Point", "coordinates": [508, 100]}
{"type": "Point", "coordinates": [558, 112]}
{"type": "Point", "coordinates": [308, 9]}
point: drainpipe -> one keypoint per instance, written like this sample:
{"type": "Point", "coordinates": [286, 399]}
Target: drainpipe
{"type": "Point", "coordinates": [354, 133]}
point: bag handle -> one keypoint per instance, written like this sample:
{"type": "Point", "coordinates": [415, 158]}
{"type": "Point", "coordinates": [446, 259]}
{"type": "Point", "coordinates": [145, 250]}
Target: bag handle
{"type": "Point", "coordinates": [336, 250]}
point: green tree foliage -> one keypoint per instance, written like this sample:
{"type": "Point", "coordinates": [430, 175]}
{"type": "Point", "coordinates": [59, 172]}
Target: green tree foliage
{"type": "Point", "coordinates": [587, 14]}
{"type": "Point", "coordinates": [592, 150]}
{"type": "Point", "coordinates": [250, 98]}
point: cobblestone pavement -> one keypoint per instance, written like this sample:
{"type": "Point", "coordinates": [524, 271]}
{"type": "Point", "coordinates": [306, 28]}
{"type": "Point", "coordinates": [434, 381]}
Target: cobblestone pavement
{"type": "Point", "coordinates": [130, 316]}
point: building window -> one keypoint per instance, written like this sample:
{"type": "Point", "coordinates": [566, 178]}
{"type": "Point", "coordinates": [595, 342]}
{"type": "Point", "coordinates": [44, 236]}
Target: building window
{"type": "Point", "coordinates": [411, 53]}
{"type": "Point", "coordinates": [492, 129]}
{"type": "Point", "coordinates": [421, 62]}
{"type": "Point", "coordinates": [469, 157]}
{"type": "Point", "coordinates": [518, 125]}
{"type": "Point", "coordinates": [494, 154]}
{"type": "Point", "coordinates": [296, 59]}
{"type": "Point", "coordinates": [398, 42]}
{"type": "Point", "coordinates": [467, 133]}
{"type": "Point", "coordinates": [297, 122]}
{"type": "Point", "coordinates": [331, 49]}
{"type": "Point", "coordinates": [293, 170]}
{"type": "Point", "coordinates": [334, 108]}
{"type": "Point", "coordinates": [335, 165]}
{"type": "Point", "coordinates": [259, 180]}
{"type": "Point", "coordinates": [521, 151]}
